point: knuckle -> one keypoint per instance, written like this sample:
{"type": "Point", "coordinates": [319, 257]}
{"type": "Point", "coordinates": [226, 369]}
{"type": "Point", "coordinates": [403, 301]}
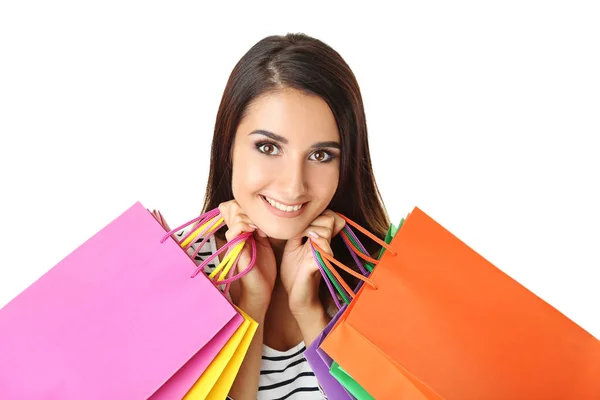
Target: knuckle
{"type": "Point", "coordinates": [327, 213]}
{"type": "Point", "coordinates": [224, 211]}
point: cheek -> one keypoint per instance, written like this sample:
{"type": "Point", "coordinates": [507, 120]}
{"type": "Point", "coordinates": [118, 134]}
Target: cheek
{"type": "Point", "coordinates": [249, 176]}
{"type": "Point", "coordinates": [324, 182]}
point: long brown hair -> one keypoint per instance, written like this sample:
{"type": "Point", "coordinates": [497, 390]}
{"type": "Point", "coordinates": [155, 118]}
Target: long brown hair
{"type": "Point", "coordinates": [307, 64]}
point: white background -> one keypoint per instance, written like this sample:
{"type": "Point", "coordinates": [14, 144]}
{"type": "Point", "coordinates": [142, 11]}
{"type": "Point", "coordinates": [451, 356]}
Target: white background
{"type": "Point", "coordinates": [486, 116]}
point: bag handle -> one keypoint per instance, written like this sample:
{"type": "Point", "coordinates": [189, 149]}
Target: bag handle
{"type": "Point", "coordinates": [353, 244]}
{"type": "Point", "coordinates": [348, 234]}
{"type": "Point", "coordinates": [203, 218]}
{"type": "Point", "coordinates": [369, 235]}
{"type": "Point", "coordinates": [328, 259]}
{"type": "Point", "coordinates": [208, 224]}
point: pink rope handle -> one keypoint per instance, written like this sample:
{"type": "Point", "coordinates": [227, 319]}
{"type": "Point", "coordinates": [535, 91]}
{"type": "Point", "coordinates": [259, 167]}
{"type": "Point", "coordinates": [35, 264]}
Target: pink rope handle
{"type": "Point", "coordinates": [205, 239]}
{"type": "Point", "coordinates": [204, 217]}
{"type": "Point", "coordinates": [231, 278]}
{"type": "Point", "coordinates": [231, 271]}
{"type": "Point", "coordinates": [207, 228]}
{"type": "Point", "coordinates": [248, 268]}
{"type": "Point", "coordinates": [228, 285]}
{"type": "Point", "coordinates": [241, 238]}
{"type": "Point", "coordinates": [208, 216]}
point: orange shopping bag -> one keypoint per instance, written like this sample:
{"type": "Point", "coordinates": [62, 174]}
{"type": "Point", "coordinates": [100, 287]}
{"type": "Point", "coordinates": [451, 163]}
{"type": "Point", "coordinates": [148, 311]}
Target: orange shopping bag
{"type": "Point", "coordinates": [441, 322]}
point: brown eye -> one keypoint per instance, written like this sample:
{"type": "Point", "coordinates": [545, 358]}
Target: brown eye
{"type": "Point", "coordinates": [268, 149]}
{"type": "Point", "coordinates": [321, 156]}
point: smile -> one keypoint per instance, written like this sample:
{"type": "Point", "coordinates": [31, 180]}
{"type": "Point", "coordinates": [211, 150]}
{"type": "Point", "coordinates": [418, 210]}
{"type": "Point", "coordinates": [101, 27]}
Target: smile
{"type": "Point", "coordinates": [283, 210]}
{"type": "Point", "coordinates": [281, 206]}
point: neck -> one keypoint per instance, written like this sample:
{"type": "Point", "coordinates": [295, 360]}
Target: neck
{"type": "Point", "coordinates": [281, 328]}
{"type": "Point", "coordinates": [278, 245]}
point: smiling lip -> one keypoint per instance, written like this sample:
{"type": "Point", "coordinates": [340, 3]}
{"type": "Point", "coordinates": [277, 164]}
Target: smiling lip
{"type": "Point", "coordinates": [283, 214]}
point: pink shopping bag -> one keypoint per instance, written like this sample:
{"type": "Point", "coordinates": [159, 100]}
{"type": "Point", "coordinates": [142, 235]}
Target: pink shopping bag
{"type": "Point", "coordinates": [117, 318]}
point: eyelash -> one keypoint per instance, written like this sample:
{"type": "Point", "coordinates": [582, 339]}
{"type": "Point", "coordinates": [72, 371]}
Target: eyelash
{"type": "Point", "coordinates": [329, 156]}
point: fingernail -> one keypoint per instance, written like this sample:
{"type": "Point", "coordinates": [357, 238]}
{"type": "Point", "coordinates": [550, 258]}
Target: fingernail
{"type": "Point", "coordinates": [253, 226]}
{"type": "Point", "coordinates": [311, 233]}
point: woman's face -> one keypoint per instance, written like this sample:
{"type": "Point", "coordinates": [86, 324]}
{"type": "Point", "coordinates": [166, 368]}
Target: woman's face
{"type": "Point", "coordinates": [286, 162]}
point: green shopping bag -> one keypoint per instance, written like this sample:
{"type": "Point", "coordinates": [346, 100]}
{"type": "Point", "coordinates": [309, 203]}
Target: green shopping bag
{"type": "Point", "coordinates": [336, 371]}
{"type": "Point", "coordinates": [349, 383]}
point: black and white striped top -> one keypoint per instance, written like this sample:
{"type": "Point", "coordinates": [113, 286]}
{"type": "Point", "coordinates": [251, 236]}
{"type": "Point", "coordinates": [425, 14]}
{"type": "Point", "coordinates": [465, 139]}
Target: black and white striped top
{"type": "Point", "coordinates": [284, 374]}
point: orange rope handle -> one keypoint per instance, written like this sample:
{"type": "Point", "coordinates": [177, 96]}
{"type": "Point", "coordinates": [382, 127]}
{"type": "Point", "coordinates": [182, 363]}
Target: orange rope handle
{"type": "Point", "coordinates": [328, 259]}
{"type": "Point", "coordinates": [368, 234]}
{"type": "Point", "coordinates": [358, 252]}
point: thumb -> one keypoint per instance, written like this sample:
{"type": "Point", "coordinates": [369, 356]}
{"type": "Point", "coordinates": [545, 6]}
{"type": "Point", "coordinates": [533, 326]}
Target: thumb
{"type": "Point", "coordinates": [338, 224]}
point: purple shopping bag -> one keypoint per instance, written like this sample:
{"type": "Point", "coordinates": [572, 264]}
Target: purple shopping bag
{"type": "Point", "coordinates": [320, 363]}
{"type": "Point", "coordinates": [117, 318]}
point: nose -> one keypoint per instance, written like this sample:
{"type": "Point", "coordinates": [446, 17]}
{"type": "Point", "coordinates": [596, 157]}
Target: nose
{"type": "Point", "coordinates": [293, 181]}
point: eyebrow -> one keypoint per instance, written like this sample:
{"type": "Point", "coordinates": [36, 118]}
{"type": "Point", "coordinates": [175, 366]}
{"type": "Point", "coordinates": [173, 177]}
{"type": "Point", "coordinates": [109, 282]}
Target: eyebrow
{"type": "Point", "coordinates": [281, 139]}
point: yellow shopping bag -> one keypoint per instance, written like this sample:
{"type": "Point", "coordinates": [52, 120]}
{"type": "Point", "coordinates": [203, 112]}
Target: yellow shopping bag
{"type": "Point", "coordinates": [217, 379]}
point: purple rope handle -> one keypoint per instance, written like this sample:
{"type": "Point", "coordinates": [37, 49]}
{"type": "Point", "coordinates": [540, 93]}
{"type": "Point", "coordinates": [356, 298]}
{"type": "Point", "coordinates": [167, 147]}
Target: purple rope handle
{"type": "Point", "coordinates": [354, 256]}
{"type": "Point", "coordinates": [360, 245]}
{"type": "Point", "coordinates": [353, 253]}
{"type": "Point", "coordinates": [325, 277]}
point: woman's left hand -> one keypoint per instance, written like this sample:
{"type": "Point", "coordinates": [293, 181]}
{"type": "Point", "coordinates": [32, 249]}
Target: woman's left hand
{"type": "Point", "coordinates": [299, 272]}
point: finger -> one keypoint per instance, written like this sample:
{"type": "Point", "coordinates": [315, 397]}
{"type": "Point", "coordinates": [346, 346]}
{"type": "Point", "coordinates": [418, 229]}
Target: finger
{"type": "Point", "coordinates": [225, 209]}
{"type": "Point", "coordinates": [320, 232]}
{"type": "Point", "coordinates": [229, 209]}
{"type": "Point", "coordinates": [237, 225]}
{"type": "Point", "coordinates": [320, 241]}
{"type": "Point", "coordinates": [236, 220]}
{"type": "Point", "coordinates": [314, 268]}
{"type": "Point", "coordinates": [331, 220]}
{"type": "Point", "coordinates": [237, 229]}
{"type": "Point", "coordinates": [232, 213]}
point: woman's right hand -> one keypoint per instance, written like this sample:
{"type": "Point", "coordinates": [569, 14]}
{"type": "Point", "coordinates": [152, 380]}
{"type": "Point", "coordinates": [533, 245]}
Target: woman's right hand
{"type": "Point", "coordinates": [256, 286]}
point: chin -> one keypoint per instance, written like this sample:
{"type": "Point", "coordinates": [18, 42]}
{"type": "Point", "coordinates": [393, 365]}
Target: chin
{"type": "Point", "coordinates": [280, 227]}
{"type": "Point", "coordinates": [280, 232]}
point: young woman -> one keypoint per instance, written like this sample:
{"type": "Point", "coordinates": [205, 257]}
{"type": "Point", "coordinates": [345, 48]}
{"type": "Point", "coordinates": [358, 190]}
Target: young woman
{"type": "Point", "coordinates": [290, 149]}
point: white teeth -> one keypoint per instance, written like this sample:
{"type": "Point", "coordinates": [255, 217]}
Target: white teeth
{"type": "Point", "coordinates": [282, 207]}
